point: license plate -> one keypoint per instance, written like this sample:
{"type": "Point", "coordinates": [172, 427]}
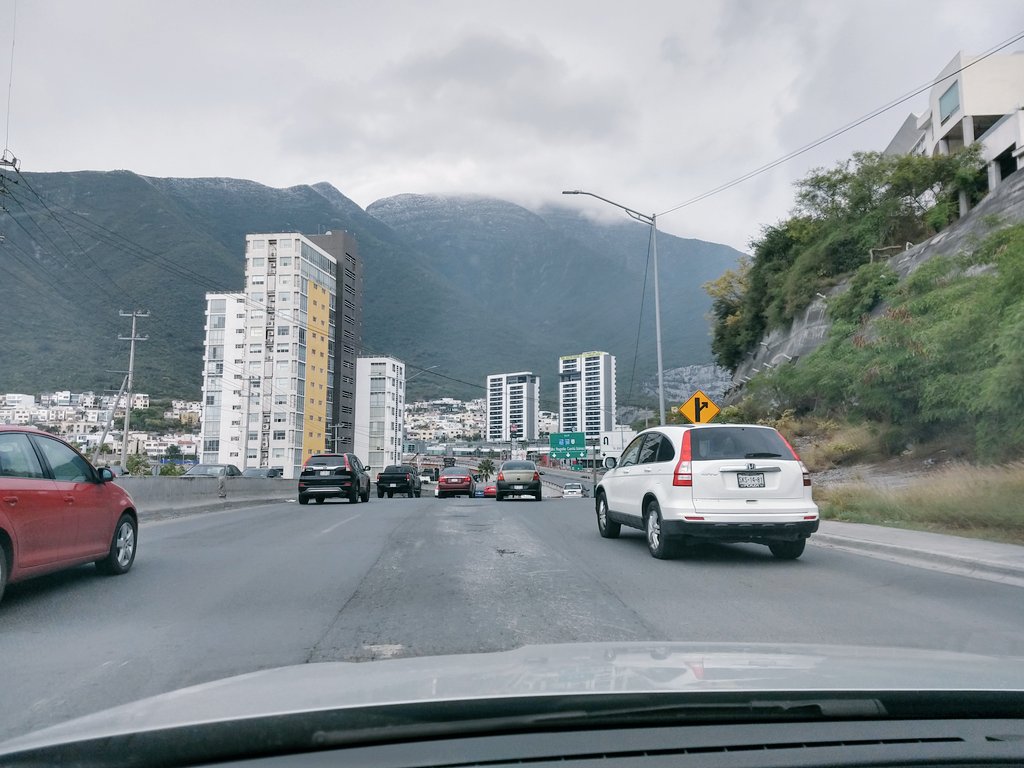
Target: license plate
{"type": "Point", "coordinates": [325, 472]}
{"type": "Point", "coordinates": [393, 485]}
{"type": "Point", "coordinates": [517, 487]}
{"type": "Point", "coordinates": [750, 479]}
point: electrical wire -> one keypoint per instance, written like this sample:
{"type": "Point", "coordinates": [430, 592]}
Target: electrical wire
{"type": "Point", "coordinates": [840, 131]}
{"type": "Point", "coordinates": [10, 80]}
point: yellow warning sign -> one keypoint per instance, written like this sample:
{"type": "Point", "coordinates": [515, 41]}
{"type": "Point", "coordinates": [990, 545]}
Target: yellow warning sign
{"type": "Point", "coordinates": [699, 408]}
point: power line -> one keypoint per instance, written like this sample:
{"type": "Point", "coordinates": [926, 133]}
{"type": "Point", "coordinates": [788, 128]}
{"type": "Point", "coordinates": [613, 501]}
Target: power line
{"type": "Point", "coordinates": [840, 131]}
{"type": "Point", "coordinates": [10, 80]}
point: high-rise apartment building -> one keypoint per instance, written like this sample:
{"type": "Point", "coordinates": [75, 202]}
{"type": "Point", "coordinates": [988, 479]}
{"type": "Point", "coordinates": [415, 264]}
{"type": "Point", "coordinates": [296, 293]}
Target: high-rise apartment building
{"type": "Point", "coordinates": [512, 406]}
{"type": "Point", "coordinates": [280, 361]}
{"type": "Point", "coordinates": [586, 393]}
{"type": "Point", "coordinates": [380, 411]}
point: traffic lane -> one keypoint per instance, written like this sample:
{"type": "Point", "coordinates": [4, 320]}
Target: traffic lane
{"type": "Point", "coordinates": [468, 576]}
{"type": "Point", "coordinates": [740, 592]}
{"type": "Point", "coordinates": [210, 595]}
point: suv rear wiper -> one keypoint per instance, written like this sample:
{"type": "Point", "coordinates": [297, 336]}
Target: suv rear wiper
{"type": "Point", "coordinates": [762, 456]}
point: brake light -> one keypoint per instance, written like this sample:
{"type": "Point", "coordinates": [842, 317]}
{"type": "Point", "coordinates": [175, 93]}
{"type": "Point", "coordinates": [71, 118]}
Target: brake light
{"type": "Point", "coordinates": [683, 475]}
{"type": "Point", "coordinates": [378, 477]}
{"type": "Point", "coordinates": [347, 467]}
{"type": "Point", "coordinates": [408, 478]}
{"type": "Point", "coordinates": [501, 477]}
{"type": "Point", "coordinates": [536, 476]}
{"type": "Point", "coordinates": [807, 475]}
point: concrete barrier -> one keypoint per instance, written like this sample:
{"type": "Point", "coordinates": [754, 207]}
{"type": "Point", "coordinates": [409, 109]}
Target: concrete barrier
{"type": "Point", "coordinates": [157, 497]}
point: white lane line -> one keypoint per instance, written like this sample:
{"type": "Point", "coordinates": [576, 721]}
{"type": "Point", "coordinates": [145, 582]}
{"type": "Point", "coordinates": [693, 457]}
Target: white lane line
{"type": "Point", "coordinates": [341, 522]}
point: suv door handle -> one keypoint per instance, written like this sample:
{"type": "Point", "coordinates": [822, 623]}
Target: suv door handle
{"type": "Point", "coordinates": [11, 500]}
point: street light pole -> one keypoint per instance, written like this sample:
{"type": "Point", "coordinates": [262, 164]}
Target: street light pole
{"type": "Point", "coordinates": [652, 220]}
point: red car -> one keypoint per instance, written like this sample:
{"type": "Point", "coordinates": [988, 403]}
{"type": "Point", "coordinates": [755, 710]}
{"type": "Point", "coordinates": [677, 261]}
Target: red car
{"type": "Point", "coordinates": [58, 510]}
{"type": "Point", "coordinates": [455, 481]}
{"type": "Point", "coordinates": [491, 490]}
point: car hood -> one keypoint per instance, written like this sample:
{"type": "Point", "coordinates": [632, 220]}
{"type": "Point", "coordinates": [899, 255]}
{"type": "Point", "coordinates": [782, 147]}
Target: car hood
{"type": "Point", "coordinates": [542, 670]}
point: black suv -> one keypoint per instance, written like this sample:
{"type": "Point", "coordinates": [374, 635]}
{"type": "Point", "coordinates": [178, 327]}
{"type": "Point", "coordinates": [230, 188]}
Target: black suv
{"type": "Point", "coordinates": [334, 475]}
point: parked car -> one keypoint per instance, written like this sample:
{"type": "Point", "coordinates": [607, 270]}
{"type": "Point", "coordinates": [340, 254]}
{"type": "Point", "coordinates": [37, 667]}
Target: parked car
{"type": "Point", "coordinates": [398, 478]}
{"type": "Point", "coordinates": [426, 476]}
{"type": "Point", "coordinates": [213, 470]}
{"type": "Point", "coordinates": [455, 481]}
{"type": "Point", "coordinates": [573, 490]}
{"type": "Point", "coordinates": [334, 475]}
{"type": "Point", "coordinates": [715, 482]}
{"type": "Point", "coordinates": [266, 472]}
{"type": "Point", "coordinates": [491, 490]}
{"type": "Point", "coordinates": [59, 511]}
{"type": "Point", "coordinates": [518, 478]}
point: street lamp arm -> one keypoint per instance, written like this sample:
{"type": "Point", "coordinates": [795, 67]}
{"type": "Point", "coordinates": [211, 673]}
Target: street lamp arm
{"type": "Point", "coordinates": [634, 214]}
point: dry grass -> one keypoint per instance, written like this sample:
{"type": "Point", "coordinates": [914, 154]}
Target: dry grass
{"type": "Point", "coordinates": [965, 500]}
{"type": "Point", "coordinates": [840, 445]}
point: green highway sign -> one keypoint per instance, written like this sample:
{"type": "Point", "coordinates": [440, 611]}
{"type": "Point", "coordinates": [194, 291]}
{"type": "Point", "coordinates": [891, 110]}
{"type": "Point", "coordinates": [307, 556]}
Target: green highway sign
{"type": "Point", "coordinates": [568, 445]}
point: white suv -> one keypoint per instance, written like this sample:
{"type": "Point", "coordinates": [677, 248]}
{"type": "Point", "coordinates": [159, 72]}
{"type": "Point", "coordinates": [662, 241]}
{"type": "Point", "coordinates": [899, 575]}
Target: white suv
{"type": "Point", "coordinates": [714, 482]}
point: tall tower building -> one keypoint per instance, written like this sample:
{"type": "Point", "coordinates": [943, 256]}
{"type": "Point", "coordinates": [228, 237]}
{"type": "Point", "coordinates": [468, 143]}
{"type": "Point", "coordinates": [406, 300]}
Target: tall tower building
{"type": "Point", "coordinates": [380, 411]}
{"type": "Point", "coordinates": [586, 393]}
{"type": "Point", "coordinates": [512, 406]}
{"type": "Point", "coordinates": [279, 368]}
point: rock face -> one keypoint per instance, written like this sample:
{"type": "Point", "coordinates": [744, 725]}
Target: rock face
{"type": "Point", "coordinates": [811, 328]}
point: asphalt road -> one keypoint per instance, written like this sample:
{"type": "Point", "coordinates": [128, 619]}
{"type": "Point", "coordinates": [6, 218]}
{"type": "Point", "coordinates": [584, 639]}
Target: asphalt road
{"type": "Point", "coordinates": [223, 593]}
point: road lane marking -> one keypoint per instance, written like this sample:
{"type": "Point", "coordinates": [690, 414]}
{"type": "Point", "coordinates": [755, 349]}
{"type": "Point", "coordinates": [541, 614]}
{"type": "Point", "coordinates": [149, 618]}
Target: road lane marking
{"type": "Point", "coordinates": [341, 522]}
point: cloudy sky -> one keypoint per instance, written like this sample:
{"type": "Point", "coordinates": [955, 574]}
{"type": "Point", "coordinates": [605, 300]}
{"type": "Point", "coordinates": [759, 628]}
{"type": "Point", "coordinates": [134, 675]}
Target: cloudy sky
{"type": "Point", "coordinates": [649, 103]}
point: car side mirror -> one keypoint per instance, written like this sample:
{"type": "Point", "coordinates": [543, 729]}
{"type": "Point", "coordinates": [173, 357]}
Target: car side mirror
{"type": "Point", "coordinates": [610, 462]}
{"type": "Point", "coordinates": [106, 475]}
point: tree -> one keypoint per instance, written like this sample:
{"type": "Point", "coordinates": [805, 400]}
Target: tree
{"type": "Point", "coordinates": [486, 469]}
{"type": "Point", "coordinates": [173, 452]}
{"type": "Point", "coordinates": [171, 470]}
{"type": "Point", "coordinates": [137, 464]}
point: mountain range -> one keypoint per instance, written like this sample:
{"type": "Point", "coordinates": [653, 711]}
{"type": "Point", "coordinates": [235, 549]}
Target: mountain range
{"type": "Point", "coordinates": [462, 286]}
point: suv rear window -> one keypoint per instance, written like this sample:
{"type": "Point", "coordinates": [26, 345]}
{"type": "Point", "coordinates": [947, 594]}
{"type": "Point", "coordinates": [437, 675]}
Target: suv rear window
{"type": "Point", "coordinates": [394, 469]}
{"type": "Point", "coordinates": [510, 465]}
{"type": "Point", "coordinates": [325, 461]}
{"type": "Point", "coordinates": [738, 443]}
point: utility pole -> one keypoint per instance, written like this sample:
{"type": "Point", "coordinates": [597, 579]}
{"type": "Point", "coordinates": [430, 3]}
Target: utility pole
{"type": "Point", "coordinates": [134, 315]}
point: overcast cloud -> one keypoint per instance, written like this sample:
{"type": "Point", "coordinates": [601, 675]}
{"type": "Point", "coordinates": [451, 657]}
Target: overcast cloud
{"type": "Point", "coordinates": [648, 103]}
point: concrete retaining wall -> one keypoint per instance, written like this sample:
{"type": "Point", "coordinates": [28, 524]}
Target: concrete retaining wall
{"type": "Point", "coordinates": [162, 496]}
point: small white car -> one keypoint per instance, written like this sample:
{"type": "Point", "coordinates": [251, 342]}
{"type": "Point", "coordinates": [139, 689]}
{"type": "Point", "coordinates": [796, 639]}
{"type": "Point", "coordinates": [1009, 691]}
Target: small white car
{"type": "Point", "coordinates": [572, 490]}
{"type": "Point", "coordinates": [709, 482]}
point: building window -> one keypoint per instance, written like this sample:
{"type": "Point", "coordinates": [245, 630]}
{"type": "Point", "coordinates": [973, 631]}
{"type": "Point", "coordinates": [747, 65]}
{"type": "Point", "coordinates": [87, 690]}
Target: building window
{"type": "Point", "coordinates": [949, 102]}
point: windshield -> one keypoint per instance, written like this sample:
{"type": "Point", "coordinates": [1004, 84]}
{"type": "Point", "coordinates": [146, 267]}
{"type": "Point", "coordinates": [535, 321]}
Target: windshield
{"type": "Point", "coordinates": [716, 309]}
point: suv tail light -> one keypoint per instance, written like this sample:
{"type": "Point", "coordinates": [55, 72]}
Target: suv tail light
{"type": "Point", "coordinates": [683, 475]}
{"type": "Point", "coordinates": [807, 475]}
{"type": "Point", "coordinates": [501, 477]}
{"type": "Point", "coordinates": [536, 477]}
{"type": "Point", "coordinates": [378, 477]}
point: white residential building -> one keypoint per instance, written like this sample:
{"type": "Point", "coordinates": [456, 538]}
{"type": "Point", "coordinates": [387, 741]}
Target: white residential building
{"type": "Point", "coordinates": [224, 380]}
{"type": "Point", "coordinates": [974, 98]}
{"type": "Point", "coordinates": [380, 411]}
{"type": "Point", "coordinates": [279, 370]}
{"type": "Point", "coordinates": [512, 406]}
{"type": "Point", "coordinates": [586, 393]}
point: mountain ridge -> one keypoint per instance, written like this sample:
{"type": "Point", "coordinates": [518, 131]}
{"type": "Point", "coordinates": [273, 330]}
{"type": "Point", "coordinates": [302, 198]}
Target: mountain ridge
{"type": "Point", "coordinates": [514, 288]}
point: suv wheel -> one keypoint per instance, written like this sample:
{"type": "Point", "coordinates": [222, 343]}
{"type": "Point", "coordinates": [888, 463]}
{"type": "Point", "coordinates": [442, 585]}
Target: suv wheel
{"type": "Point", "coordinates": [303, 499]}
{"type": "Point", "coordinates": [787, 550]}
{"type": "Point", "coordinates": [657, 543]}
{"type": "Point", "coordinates": [608, 528]}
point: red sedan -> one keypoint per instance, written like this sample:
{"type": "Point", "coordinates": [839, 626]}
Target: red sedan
{"type": "Point", "coordinates": [491, 490]}
{"type": "Point", "coordinates": [58, 510]}
{"type": "Point", "coordinates": [455, 481]}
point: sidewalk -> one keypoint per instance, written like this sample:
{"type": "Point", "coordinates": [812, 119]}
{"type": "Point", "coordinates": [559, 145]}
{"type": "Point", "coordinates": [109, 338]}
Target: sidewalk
{"type": "Point", "coordinates": [988, 560]}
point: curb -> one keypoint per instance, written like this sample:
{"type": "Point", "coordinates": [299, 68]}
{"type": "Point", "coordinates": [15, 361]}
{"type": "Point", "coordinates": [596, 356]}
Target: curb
{"type": "Point", "coordinates": [961, 565]}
